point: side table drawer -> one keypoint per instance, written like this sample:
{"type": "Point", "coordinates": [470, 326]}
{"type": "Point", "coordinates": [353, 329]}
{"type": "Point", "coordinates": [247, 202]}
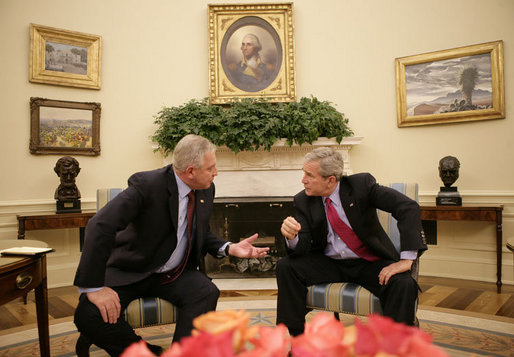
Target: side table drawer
{"type": "Point", "coordinates": [20, 281]}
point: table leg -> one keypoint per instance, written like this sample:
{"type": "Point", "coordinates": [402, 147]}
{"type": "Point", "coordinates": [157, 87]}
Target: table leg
{"type": "Point", "coordinates": [41, 293]}
{"type": "Point", "coordinates": [499, 243]}
{"type": "Point", "coordinates": [21, 228]}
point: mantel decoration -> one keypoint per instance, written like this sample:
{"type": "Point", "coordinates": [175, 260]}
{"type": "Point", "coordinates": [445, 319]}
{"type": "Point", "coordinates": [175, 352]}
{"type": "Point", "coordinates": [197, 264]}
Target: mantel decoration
{"type": "Point", "coordinates": [251, 123]}
{"type": "Point", "coordinates": [227, 334]}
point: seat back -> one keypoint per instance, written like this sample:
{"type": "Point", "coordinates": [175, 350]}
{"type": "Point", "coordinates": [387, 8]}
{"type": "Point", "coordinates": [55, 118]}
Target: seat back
{"type": "Point", "coordinates": [147, 311]}
{"type": "Point", "coordinates": [104, 195]}
{"type": "Point", "coordinates": [388, 221]}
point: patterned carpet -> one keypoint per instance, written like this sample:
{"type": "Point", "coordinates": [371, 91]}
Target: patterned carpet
{"type": "Point", "coordinates": [458, 334]}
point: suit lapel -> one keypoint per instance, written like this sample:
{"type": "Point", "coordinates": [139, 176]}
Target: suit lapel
{"type": "Point", "coordinates": [349, 204]}
{"type": "Point", "coordinates": [173, 199]}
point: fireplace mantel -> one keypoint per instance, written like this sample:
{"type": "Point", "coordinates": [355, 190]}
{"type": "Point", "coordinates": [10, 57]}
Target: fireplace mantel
{"type": "Point", "coordinates": [270, 173]}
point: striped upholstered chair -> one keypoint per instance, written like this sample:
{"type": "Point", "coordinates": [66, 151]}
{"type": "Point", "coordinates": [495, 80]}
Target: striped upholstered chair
{"type": "Point", "coordinates": [351, 298]}
{"type": "Point", "coordinates": [142, 312]}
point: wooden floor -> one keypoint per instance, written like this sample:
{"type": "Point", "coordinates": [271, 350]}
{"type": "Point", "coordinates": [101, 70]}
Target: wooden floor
{"type": "Point", "coordinates": [463, 295]}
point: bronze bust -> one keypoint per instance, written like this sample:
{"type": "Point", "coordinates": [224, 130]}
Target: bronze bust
{"type": "Point", "coordinates": [449, 170]}
{"type": "Point", "coordinates": [67, 194]}
{"type": "Point", "coordinates": [449, 173]}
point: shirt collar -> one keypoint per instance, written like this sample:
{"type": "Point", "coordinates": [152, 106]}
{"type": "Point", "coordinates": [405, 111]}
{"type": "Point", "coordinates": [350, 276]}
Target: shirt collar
{"type": "Point", "coordinates": [183, 189]}
{"type": "Point", "coordinates": [334, 197]}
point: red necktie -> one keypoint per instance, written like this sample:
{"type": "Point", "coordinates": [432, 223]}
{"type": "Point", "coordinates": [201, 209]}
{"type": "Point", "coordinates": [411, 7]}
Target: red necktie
{"type": "Point", "coordinates": [347, 235]}
{"type": "Point", "coordinates": [175, 272]}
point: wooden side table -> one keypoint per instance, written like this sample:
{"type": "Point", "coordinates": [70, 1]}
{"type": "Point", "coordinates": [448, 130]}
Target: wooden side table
{"type": "Point", "coordinates": [471, 213]}
{"type": "Point", "coordinates": [18, 276]}
{"type": "Point", "coordinates": [54, 221]}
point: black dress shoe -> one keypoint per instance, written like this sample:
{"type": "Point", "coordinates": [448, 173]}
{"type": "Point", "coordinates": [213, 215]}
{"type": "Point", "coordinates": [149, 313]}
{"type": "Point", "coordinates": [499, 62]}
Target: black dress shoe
{"type": "Point", "coordinates": [156, 350]}
{"type": "Point", "coordinates": [82, 346]}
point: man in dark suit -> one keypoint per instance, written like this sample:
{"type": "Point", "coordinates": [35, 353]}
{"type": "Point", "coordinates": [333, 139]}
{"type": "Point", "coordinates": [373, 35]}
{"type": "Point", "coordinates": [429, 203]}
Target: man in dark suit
{"type": "Point", "coordinates": [149, 241]}
{"type": "Point", "coordinates": [336, 236]}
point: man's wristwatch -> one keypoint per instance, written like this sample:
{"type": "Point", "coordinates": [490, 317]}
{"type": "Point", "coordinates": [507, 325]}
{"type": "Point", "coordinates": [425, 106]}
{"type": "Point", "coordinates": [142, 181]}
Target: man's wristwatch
{"type": "Point", "coordinates": [226, 249]}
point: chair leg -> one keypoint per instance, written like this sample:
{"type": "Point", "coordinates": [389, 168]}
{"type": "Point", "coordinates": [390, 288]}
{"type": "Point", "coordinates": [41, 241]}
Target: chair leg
{"type": "Point", "coordinates": [336, 315]}
{"type": "Point", "coordinates": [82, 346]}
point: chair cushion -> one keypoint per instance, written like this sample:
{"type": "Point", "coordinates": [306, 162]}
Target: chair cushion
{"type": "Point", "coordinates": [348, 298]}
{"type": "Point", "coordinates": [149, 311]}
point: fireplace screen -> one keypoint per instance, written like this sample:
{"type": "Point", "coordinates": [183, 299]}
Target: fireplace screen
{"type": "Point", "coordinates": [239, 218]}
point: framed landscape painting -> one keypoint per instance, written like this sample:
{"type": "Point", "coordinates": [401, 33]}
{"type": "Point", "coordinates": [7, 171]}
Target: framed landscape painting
{"type": "Point", "coordinates": [251, 52]}
{"type": "Point", "coordinates": [450, 86]}
{"type": "Point", "coordinates": [64, 127]}
{"type": "Point", "coordinates": [65, 58]}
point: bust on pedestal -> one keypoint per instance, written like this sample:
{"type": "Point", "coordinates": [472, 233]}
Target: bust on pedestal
{"type": "Point", "coordinates": [67, 195]}
{"type": "Point", "coordinates": [449, 173]}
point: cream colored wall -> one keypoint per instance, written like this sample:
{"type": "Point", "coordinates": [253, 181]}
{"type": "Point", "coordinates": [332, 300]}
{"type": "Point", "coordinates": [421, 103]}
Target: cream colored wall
{"type": "Point", "coordinates": [155, 53]}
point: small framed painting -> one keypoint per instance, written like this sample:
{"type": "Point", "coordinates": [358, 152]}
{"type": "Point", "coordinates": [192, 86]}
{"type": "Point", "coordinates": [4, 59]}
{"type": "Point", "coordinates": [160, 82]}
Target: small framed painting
{"type": "Point", "coordinates": [458, 85]}
{"type": "Point", "coordinates": [64, 58]}
{"type": "Point", "coordinates": [64, 127]}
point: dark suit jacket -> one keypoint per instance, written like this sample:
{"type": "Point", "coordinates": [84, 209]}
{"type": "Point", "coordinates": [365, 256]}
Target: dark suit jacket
{"type": "Point", "coordinates": [360, 197]}
{"type": "Point", "coordinates": [135, 233]}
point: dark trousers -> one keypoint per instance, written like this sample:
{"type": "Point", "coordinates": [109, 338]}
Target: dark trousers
{"type": "Point", "coordinates": [192, 293]}
{"type": "Point", "coordinates": [295, 274]}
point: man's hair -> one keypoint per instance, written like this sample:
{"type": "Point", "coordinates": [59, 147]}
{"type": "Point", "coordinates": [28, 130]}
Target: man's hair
{"type": "Point", "coordinates": [190, 151]}
{"type": "Point", "coordinates": [331, 162]}
{"type": "Point", "coordinates": [255, 40]}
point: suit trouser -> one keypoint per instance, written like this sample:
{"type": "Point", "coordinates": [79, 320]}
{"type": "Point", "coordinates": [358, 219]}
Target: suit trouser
{"type": "Point", "coordinates": [192, 293]}
{"type": "Point", "coordinates": [295, 273]}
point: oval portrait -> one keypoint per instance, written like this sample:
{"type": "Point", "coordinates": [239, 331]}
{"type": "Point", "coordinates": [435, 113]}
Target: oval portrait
{"type": "Point", "coordinates": [251, 54]}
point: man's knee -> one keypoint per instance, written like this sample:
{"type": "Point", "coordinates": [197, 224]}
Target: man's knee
{"type": "Point", "coordinates": [284, 267]}
{"type": "Point", "coordinates": [85, 314]}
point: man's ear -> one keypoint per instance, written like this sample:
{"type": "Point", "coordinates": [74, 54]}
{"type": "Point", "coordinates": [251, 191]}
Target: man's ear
{"type": "Point", "coordinates": [332, 180]}
{"type": "Point", "coordinates": [189, 172]}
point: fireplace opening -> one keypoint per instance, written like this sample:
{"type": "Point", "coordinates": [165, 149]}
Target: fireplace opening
{"type": "Point", "coordinates": [237, 218]}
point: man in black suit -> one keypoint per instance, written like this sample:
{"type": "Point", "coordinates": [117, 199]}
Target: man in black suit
{"type": "Point", "coordinates": [336, 236]}
{"type": "Point", "coordinates": [149, 241]}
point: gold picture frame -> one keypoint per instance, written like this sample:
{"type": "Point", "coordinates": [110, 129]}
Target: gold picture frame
{"type": "Point", "coordinates": [457, 85]}
{"type": "Point", "coordinates": [64, 58]}
{"type": "Point", "coordinates": [269, 30]}
{"type": "Point", "coordinates": [64, 127]}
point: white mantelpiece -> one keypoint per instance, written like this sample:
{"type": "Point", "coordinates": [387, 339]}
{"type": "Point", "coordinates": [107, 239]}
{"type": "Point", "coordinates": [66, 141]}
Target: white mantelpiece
{"type": "Point", "coordinates": [270, 173]}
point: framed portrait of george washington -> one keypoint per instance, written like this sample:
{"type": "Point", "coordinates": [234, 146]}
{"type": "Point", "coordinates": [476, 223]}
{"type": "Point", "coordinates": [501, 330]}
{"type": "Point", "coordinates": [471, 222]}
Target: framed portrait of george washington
{"type": "Point", "coordinates": [450, 86]}
{"type": "Point", "coordinates": [251, 52]}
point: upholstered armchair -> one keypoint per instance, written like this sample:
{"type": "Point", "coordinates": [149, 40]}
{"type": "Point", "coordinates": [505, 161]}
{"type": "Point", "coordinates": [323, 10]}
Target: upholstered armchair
{"type": "Point", "coordinates": [351, 298]}
{"type": "Point", "coordinates": [142, 312]}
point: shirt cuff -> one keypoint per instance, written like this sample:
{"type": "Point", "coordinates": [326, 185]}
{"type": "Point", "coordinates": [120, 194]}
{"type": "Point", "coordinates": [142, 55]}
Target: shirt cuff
{"type": "Point", "coordinates": [221, 251]}
{"type": "Point", "coordinates": [291, 243]}
{"type": "Point", "coordinates": [409, 254]}
{"type": "Point", "coordinates": [89, 290]}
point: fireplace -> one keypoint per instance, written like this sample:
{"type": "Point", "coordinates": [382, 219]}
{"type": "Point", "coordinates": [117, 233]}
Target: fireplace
{"type": "Point", "coordinates": [236, 218]}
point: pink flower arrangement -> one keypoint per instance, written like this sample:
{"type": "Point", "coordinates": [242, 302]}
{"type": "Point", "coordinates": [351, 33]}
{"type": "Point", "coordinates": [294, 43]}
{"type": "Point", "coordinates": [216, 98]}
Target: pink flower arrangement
{"type": "Point", "coordinates": [227, 334]}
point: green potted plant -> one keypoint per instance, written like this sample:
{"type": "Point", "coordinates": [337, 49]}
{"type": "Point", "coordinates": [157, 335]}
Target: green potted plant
{"type": "Point", "coordinates": [250, 124]}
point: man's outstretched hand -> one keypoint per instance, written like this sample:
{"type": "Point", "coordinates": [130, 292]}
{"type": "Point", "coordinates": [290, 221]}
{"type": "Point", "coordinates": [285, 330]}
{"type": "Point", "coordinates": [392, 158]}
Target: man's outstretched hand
{"type": "Point", "coordinates": [245, 249]}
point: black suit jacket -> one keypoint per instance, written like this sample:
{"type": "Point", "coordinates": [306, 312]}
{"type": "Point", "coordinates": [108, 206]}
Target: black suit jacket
{"type": "Point", "coordinates": [136, 232]}
{"type": "Point", "coordinates": [360, 197]}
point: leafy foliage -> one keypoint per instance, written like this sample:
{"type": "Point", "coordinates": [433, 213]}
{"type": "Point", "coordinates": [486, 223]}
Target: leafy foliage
{"type": "Point", "coordinates": [250, 124]}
